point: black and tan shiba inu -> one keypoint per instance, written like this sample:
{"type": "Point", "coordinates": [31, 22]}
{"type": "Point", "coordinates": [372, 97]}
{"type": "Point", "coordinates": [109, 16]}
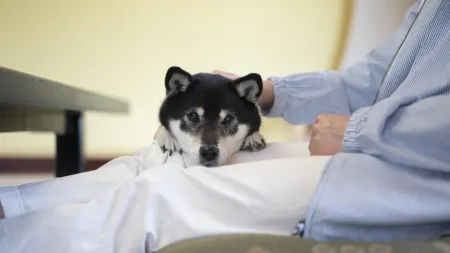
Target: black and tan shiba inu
{"type": "Point", "coordinates": [210, 117]}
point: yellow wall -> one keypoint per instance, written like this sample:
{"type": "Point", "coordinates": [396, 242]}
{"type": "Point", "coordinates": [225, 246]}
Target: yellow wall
{"type": "Point", "coordinates": [123, 48]}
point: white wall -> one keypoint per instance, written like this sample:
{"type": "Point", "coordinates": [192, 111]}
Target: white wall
{"type": "Point", "coordinates": [372, 22]}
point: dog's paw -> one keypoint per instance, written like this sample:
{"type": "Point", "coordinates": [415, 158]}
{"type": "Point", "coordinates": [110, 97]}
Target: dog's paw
{"type": "Point", "coordinates": [166, 141]}
{"type": "Point", "coordinates": [254, 142]}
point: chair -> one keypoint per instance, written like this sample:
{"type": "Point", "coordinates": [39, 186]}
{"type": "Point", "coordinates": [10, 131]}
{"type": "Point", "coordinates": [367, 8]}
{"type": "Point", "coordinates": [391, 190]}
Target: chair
{"type": "Point", "coordinates": [251, 243]}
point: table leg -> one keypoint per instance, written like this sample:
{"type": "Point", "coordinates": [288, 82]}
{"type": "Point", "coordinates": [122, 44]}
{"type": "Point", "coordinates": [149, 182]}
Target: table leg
{"type": "Point", "coordinates": [69, 146]}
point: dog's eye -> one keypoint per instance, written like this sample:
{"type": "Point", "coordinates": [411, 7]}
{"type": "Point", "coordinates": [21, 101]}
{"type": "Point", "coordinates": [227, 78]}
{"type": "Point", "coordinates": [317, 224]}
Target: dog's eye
{"type": "Point", "coordinates": [228, 119]}
{"type": "Point", "coordinates": [193, 116]}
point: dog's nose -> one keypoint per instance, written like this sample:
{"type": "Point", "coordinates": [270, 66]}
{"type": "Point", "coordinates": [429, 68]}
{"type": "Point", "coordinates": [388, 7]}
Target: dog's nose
{"type": "Point", "coordinates": [209, 153]}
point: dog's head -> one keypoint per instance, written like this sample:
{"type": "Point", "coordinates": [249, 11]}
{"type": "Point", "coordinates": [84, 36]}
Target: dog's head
{"type": "Point", "coordinates": [210, 115]}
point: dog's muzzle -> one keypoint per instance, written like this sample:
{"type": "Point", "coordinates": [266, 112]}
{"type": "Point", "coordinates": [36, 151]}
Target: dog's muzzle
{"type": "Point", "coordinates": [209, 155]}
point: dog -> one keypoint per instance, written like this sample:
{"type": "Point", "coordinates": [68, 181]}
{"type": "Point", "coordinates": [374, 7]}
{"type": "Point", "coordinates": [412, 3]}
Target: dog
{"type": "Point", "coordinates": [210, 117]}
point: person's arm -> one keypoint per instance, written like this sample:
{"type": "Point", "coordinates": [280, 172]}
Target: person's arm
{"type": "Point", "coordinates": [299, 98]}
{"type": "Point", "coordinates": [404, 131]}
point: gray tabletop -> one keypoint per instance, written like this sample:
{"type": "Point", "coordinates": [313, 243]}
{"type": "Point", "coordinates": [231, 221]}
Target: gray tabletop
{"type": "Point", "coordinates": [18, 88]}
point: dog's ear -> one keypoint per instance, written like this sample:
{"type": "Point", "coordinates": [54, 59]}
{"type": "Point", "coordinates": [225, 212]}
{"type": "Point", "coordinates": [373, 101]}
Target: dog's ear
{"type": "Point", "coordinates": [249, 87]}
{"type": "Point", "coordinates": [177, 80]}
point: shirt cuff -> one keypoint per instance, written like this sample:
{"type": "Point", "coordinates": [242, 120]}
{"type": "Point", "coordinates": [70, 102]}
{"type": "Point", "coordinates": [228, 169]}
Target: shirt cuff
{"type": "Point", "coordinates": [10, 201]}
{"type": "Point", "coordinates": [279, 101]}
{"type": "Point", "coordinates": [350, 142]}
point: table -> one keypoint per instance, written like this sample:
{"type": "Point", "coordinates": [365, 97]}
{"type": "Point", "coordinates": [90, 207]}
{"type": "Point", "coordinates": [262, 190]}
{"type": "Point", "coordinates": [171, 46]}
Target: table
{"type": "Point", "coordinates": [32, 103]}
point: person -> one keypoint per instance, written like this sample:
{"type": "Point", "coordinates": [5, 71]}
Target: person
{"type": "Point", "coordinates": [385, 122]}
{"type": "Point", "coordinates": [378, 170]}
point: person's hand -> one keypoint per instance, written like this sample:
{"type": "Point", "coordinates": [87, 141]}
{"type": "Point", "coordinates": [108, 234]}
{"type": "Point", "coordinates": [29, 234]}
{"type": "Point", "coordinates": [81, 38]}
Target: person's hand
{"type": "Point", "coordinates": [225, 74]}
{"type": "Point", "coordinates": [327, 134]}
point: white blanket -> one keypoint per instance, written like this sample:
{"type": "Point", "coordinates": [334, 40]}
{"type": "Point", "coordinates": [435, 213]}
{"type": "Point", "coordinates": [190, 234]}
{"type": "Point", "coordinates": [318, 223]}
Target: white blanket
{"type": "Point", "coordinates": [147, 201]}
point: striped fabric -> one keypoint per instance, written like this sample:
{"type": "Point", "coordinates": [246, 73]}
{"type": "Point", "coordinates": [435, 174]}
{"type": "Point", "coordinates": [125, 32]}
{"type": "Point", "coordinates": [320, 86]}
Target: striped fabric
{"type": "Point", "coordinates": [392, 182]}
{"type": "Point", "coordinates": [427, 31]}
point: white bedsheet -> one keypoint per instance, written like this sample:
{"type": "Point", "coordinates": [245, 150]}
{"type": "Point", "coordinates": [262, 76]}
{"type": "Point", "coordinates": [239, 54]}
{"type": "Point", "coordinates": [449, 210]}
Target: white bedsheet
{"type": "Point", "coordinates": [147, 201]}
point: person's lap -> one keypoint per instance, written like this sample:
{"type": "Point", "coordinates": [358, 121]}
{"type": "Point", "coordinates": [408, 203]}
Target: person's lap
{"type": "Point", "coordinates": [263, 196]}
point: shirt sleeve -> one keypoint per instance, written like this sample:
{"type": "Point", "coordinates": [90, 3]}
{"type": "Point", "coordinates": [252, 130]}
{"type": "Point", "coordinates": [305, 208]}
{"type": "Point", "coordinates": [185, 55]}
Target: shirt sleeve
{"type": "Point", "coordinates": [299, 98]}
{"type": "Point", "coordinates": [403, 130]}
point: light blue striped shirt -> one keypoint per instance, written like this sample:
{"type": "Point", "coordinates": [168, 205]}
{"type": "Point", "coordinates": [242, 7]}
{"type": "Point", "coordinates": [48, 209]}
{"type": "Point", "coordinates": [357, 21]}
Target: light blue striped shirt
{"type": "Point", "coordinates": [393, 180]}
